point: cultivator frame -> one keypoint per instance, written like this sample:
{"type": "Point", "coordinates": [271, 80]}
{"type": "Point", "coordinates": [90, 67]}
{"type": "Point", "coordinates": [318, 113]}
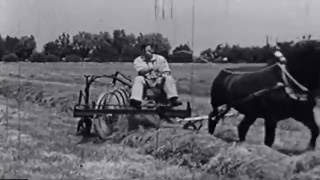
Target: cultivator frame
{"type": "Point", "coordinates": [87, 111]}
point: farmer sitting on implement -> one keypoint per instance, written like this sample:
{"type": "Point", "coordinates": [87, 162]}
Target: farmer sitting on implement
{"type": "Point", "coordinates": [152, 69]}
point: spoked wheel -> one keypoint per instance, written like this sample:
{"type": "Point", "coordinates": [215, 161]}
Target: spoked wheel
{"type": "Point", "coordinates": [106, 125]}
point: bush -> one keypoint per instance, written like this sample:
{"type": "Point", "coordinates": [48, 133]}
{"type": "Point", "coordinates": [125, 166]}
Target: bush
{"type": "Point", "coordinates": [93, 59]}
{"type": "Point", "coordinates": [105, 54]}
{"type": "Point", "coordinates": [52, 58]}
{"type": "Point", "coordinates": [237, 54]}
{"type": "Point", "coordinates": [72, 58]}
{"type": "Point", "coordinates": [38, 57]}
{"type": "Point", "coordinates": [12, 57]}
{"type": "Point", "coordinates": [180, 57]}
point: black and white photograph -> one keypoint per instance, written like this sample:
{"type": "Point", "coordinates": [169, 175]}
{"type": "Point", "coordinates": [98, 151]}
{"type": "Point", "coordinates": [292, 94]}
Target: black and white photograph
{"type": "Point", "coordinates": [159, 89]}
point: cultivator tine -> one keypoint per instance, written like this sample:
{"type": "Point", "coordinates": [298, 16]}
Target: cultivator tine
{"type": "Point", "coordinates": [189, 110]}
{"type": "Point", "coordinates": [80, 97]}
{"type": "Point", "coordinates": [93, 104]}
{"type": "Point", "coordinates": [114, 81]}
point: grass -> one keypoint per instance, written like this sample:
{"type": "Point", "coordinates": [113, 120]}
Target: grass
{"type": "Point", "coordinates": [46, 148]}
{"type": "Point", "coordinates": [203, 74]}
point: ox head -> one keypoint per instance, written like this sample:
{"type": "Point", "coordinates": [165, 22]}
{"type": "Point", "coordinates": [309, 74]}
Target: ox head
{"type": "Point", "coordinates": [303, 62]}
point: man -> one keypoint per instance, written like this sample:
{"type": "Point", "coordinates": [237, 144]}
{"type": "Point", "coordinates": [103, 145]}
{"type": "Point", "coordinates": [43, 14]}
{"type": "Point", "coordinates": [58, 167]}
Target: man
{"type": "Point", "coordinates": [152, 69]}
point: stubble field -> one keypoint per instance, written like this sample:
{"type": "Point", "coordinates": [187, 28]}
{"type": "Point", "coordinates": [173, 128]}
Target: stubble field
{"type": "Point", "coordinates": [37, 133]}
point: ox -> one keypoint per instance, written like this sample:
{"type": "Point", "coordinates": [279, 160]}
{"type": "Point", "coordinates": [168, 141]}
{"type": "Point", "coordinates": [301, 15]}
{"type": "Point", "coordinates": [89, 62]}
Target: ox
{"type": "Point", "coordinates": [275, 92]}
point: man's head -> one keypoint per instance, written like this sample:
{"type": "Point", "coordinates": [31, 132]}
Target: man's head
{"type": "Point", "coordinates": [147, 51]}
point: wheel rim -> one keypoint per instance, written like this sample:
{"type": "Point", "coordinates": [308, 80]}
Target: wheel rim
{"type": "Point", "coordinates": [105, 125]}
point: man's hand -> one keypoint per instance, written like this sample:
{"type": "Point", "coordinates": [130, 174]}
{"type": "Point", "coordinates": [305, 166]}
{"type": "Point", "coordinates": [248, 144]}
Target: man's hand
{"type": "Point", "coordinates": [166, 73]}
{"type": "Point", "coordinates": [144, 72]}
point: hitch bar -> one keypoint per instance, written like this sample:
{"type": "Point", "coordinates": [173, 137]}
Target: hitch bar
{"type": "Point", "coordinates": [82, 111]}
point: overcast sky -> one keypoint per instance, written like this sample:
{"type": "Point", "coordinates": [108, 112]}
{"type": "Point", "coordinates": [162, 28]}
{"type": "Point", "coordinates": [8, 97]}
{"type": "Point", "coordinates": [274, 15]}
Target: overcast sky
{"type": "Point", "coordinates": [244, 22]}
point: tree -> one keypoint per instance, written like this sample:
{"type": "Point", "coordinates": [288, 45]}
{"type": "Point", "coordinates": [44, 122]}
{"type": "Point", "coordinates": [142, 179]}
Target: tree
{"type": "Point", "coordinates": [119, 40]}
{"type": "Point", "coordinates": [101, 40]}
{"type": "Point", "coordinates": [125, 45]}
{"type": "Point", "coordinates": [2, 47]}
{"type": "Point", "coordinates": [130, 52]}
{"type": "Point", "coordinates": [61, 47]}
{"type": "Point", "coordinates": [25, 47]}
{"type": "Point", "coordinates": [130, 49]}
{"type": "Point", "coordinates": [161, 44]}
{"type": "Point", "coordinates": [103, 48]}
{"type": "Point", "coordinates": [83, 44]}
{"type": "Point", "coordinates": [10, 44]}
{"type": "Point", "coordinates": [52, 48]}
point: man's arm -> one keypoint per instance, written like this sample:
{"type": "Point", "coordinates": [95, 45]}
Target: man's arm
{"type": "Point", "coordinates": [164, 66]}
{"type": "Point", "coordinates": [141, 67]}
{"type": "Point", "coordinates": [143, 72]}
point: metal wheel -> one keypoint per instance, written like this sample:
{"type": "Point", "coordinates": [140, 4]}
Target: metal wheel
{"type": "Point", "coordinates": [105, 125]}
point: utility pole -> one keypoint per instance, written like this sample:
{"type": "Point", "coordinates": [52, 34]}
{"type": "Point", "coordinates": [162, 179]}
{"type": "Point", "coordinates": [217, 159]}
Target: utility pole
{"type": "Point", "coordinates": [193, 23]}
{"type": "Point", "coordinates": [192, 46]}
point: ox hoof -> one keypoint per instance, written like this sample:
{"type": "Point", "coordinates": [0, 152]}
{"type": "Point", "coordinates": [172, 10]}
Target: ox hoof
{"type": "Point", "coordinates": [239, 143]}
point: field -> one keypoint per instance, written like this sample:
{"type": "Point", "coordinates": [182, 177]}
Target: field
{"type": "Point", "coordinates": [37, 133]}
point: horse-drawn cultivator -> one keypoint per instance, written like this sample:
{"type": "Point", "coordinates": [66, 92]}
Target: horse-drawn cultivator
{"type": "Point", "coordinates": [112, 106]}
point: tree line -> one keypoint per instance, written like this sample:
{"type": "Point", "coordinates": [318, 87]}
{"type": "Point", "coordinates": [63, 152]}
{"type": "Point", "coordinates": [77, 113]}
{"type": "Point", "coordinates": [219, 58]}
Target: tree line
{"type": "Point", "coordinates": [120, 47]}
{"type": "Point", "coordinates": [84, 46]}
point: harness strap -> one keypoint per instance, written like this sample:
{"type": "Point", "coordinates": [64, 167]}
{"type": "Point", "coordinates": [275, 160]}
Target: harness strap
{"type": "Point", "coordinates": [286, 76]}
{"type": "Point", "coordinates": [292, 93]}
{"type": "Point", "coordinates": [258, 93]}
{"type": "Point", "coordinates": [284, 70]}
{"type": "Point", "coordinates": [235, 72]}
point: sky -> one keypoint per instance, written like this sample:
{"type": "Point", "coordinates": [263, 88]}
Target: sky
{"type": "Point", "coordinates": [243, 22]}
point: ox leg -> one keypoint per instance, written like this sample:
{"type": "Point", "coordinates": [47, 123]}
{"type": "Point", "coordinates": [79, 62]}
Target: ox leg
{"type": "Point", "coordinates": [244, 126]}
{"type": "Point", "coordinates": [270, 131]}
{"type": "Point", "coordinates": [312, 125]}
{"type": "Point", "coordinates": [311, 119]}
{"type": "Point", "coordinates": [212, 123]}
{"type": "Point", "coordinates": [314, 135]}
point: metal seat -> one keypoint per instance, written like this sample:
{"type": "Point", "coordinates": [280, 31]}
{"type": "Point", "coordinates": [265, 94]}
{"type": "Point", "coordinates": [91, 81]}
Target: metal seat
{"type": "Point", "coordinates": [155, 93]}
